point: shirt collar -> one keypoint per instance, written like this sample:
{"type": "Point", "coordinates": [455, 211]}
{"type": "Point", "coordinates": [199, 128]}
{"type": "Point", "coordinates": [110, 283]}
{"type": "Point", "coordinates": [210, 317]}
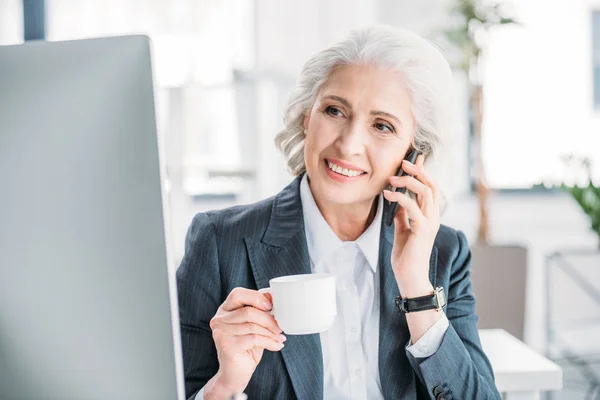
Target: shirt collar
{"type": "Point", "coordinates": [322, 240]}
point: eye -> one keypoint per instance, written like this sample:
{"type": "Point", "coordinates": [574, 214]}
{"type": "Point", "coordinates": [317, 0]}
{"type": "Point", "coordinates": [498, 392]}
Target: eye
{"type": "Point", "coordinates": [333, 111]}
{"type": "Point", "coordinates": [383, 127]}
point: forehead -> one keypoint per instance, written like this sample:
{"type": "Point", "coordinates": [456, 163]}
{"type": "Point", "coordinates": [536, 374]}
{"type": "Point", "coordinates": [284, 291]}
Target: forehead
{"type": "Point", "coordinates": [368, 86]}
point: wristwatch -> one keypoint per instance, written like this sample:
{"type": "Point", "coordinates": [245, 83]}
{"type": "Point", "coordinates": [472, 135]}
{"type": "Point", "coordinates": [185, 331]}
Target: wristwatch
{"type": "Point", "coordinates": [436, 300]}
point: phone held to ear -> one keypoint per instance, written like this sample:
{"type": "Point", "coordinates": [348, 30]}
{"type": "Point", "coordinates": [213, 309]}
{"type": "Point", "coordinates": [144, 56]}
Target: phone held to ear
{"type": "Point", "coordinates": [412, 157]}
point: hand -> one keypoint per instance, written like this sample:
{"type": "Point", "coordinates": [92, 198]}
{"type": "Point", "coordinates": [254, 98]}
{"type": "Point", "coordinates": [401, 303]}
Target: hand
{"type": "Point", "coordinates": [413, 241]}
{"type": "Point", "coordinates": [242, 330]}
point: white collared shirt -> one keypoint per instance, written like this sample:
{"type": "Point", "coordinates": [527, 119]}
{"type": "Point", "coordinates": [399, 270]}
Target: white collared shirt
{"type": "Point", "coordinates": [351, 346]}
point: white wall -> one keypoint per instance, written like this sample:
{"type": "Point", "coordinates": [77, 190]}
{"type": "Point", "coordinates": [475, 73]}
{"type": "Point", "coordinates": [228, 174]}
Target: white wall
{"type": "Point", "coordinates": [539, 99]}
{"type": "Point", "coordinates": [11, 22]}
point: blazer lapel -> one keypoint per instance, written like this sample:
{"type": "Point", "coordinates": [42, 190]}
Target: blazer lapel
{"type": "Point", "coordinates": [395, 372]}
{"type": "Point", "coordinates": [283, 251]}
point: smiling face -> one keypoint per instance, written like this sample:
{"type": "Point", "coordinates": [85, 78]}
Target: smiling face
{"type": "Point", "coordinates": [358, 131]}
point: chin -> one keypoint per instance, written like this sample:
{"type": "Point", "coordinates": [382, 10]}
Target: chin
{"type": "Point", "coordinates": [334, 193]}
{"type": "Point", "coordinates": [343, 199]}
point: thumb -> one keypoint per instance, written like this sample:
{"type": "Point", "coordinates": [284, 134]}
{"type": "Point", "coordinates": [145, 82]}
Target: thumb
{"type": "Point", "coordinates": [269, 297]}
{"type": "Point", "coordinates": [257, 354]}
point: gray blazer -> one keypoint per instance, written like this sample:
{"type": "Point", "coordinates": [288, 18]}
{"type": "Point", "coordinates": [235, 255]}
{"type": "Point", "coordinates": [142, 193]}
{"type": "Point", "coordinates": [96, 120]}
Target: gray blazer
{"type": "Point", "coordinates": [248, 245]}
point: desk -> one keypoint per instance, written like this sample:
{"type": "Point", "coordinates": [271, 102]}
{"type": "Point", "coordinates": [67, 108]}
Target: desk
{"type": "Point", "coordinates": [521, 372]}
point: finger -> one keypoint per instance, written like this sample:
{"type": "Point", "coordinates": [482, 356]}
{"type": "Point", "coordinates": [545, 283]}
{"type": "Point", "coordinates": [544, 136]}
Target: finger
{"type": "Point", "coordinates": [423, 191]}
{"type": "Point", "coordinates": [253, 315]}
{"type": "Point", "coordinates": [412, 208]}
{"type": "Point", "coordinates": [249, 328]}
{"type": "Point", "coordinates": [420, 161]}
{"type": "Point", "coordinates": [418, 171]}
{"type": "Point", "coordinates": [253, 341]}
{"type": "Point", "coordinates": [240, 297]}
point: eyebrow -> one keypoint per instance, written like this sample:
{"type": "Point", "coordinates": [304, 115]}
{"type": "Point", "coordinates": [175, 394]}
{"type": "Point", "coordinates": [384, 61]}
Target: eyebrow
{"type": "Point", "coordinates": [374, 112]}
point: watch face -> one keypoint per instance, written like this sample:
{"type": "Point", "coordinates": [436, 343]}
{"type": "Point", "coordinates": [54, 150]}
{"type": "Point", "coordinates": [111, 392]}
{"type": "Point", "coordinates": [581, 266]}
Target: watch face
{"type": "Point", "coordinates": [440, 297]}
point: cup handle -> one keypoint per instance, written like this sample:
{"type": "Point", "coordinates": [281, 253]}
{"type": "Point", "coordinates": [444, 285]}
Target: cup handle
{"type": "Point", "coordinates": [268, 290]}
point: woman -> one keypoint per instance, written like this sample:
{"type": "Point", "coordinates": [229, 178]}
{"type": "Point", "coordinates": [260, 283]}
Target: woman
{"type": "Point", "coordinates": [357, 110]}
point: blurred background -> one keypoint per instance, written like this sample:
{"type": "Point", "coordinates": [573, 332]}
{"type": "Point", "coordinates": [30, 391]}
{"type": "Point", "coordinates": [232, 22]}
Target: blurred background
{"type": "Point", "coordinates": [521, 175]}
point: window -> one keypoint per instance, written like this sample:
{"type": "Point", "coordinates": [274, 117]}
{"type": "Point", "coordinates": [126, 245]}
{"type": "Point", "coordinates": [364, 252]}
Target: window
{"type": "Point", "coordinates": [537, 94]}
{"type": "Point", "coordinates": [11, 22]}
{"type": "Point", "coordinates": [197, 46]}
{"type": "Point", "coordinates": [596, 56]}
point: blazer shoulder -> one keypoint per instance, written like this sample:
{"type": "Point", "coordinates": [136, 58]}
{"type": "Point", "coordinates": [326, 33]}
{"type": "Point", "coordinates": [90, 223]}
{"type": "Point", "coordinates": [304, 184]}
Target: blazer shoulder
{"type": "Point", "coordinates": [241, 220]}
{"type": "Point", "coordinates": [450, 243]}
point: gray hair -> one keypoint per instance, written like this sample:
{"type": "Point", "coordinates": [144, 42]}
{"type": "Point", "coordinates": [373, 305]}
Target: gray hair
{"type": "Point", "coordinates": [427, 75]}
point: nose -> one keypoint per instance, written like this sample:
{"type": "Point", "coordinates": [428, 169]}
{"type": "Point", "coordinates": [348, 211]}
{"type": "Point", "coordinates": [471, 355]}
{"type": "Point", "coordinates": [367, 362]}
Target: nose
{"type": "Point", "coordinates": [351, 140]}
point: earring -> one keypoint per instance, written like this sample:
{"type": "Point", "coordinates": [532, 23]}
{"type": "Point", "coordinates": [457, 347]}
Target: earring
{"type": "Point", "coordinates": [305, 131]}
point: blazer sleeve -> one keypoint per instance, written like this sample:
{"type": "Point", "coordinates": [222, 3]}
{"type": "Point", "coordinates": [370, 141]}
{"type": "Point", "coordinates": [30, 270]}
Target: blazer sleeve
{"type": "Point", "coordinates": [459, 368]}
{"type": "Point", "coordinates": [199, 295]}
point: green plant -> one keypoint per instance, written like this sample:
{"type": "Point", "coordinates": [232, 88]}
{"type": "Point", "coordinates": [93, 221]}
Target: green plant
{"type": "Point", "coordinates": [588, 195]}
{"type": "Point", "coordinates": [472, 20]}
{"type": "Point", "coordinates": [588, 198]}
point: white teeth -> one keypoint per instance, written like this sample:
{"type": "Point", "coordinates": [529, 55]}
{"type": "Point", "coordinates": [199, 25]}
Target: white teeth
{"type": "Point", "coordinates": [343, 171]}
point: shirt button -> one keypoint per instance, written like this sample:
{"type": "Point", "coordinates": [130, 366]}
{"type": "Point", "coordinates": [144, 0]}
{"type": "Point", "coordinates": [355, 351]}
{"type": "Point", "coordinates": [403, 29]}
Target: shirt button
{"type": "Point", "coordinates": [353, 330]}
{"type": "Point", "coordinates": [357, 372]}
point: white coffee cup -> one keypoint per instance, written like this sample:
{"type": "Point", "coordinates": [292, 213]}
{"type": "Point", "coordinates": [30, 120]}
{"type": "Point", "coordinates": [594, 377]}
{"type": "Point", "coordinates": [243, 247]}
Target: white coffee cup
{"type": "Point", "coordinates": [303, 304]}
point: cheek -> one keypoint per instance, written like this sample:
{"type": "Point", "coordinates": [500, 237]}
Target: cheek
{"type": "Point", "coordinates": [386, 162]}
{"type": "Point", "coordinates": [320, 137]}
{"type": "Point", "coordinates": [313, 148]}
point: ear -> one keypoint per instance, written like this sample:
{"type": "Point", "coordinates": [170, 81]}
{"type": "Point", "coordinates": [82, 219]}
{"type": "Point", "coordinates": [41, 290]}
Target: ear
{"type": "Point", "coordinates": [306, 119]}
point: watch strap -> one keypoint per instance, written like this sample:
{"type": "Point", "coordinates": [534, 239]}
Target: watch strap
{"type": "Point", "coordinates": [435, 300]}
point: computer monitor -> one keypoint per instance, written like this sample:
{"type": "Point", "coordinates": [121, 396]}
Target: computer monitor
{"type": "Point", "coordinates": [87, 302]}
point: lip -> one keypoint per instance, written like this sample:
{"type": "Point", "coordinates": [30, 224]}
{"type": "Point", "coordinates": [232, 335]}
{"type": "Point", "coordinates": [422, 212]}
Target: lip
{"type": "Point", "coordinates": [344, 165]}
{"type": "Point", "coordinates": [338, 177]}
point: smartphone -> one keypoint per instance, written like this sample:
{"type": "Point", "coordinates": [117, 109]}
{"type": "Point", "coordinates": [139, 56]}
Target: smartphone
{"type": "Point", "coordinates": [412, 157]}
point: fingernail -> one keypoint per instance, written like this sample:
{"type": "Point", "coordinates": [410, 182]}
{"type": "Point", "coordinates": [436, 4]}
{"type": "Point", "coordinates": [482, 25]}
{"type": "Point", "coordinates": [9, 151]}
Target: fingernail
{"type": "Point", "coordinates": [408, 163]}
{"type": "Point", "coordinates": [267, 305]}
{"type": "Point", "coordinates": [385, 191]}
{"type": "Point", "coordinates": [281, 338]}
{"type": "Point", "coordinates": [281, 346]}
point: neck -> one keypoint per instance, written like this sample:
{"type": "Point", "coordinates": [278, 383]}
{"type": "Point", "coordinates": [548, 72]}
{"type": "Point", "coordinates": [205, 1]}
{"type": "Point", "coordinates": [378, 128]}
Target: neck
{"type": "Point", "coordinates": [348, 221]}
